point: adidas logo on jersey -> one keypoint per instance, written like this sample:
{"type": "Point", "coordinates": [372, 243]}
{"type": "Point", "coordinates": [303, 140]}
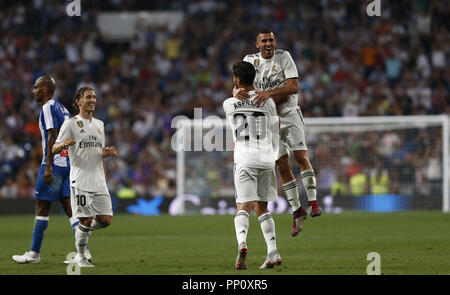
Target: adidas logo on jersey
{"type": "Point", "coordinates": [82, 131]}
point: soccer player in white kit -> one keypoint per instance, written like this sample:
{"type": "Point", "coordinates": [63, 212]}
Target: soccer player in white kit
{"type": "Point", "coordinates": [276, 78]}
{"type": "Point", "coordinates": [255, 152]}
{"type": "Point", "coordinates": [84, 136]}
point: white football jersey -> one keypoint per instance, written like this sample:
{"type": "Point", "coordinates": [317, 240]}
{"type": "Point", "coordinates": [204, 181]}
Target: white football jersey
{"type": "Point", "coordinates": [273, 73]}
{"type": "Point", "coordinates": [255, 131]}
{"type": "Point", "coordinates": [86, 161]}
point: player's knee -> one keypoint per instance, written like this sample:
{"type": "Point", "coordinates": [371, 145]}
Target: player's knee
{"type": "Point", "coordinates": [42, 210]}
{"type": "Point", "coordinates": [86, 221]}
{"type": "Point", "coordinates": [105, 221]}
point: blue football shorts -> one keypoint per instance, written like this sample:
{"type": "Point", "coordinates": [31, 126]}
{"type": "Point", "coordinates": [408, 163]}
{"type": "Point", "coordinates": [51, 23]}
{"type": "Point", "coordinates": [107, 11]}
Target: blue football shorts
{"type": "Point", "coordinates": [59, 188]}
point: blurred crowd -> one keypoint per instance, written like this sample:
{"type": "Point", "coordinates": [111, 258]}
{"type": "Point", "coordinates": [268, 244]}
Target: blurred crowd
{"type": "Point", "coordinates": [349, 64]}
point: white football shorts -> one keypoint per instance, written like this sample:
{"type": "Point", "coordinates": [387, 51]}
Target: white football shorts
{"type": "Point", "coordinates": [89, 204]}
{"type": "Point", "coordinates": [254, 184]}
{"type": "Point", "coordinates": [292, 132]}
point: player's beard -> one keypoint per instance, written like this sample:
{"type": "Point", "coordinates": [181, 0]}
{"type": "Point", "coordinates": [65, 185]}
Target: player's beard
{"type": "Point", "coordinates": [39, 97]}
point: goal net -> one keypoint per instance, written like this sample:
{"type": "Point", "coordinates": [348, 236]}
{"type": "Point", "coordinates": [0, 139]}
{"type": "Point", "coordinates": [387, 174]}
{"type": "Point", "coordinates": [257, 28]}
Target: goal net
{"type": "Point", "coordinates": [378, 164]}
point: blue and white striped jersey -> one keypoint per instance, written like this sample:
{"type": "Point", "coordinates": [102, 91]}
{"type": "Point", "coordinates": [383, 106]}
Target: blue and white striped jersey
{"type": "Point", "coordinates": [53, 115]}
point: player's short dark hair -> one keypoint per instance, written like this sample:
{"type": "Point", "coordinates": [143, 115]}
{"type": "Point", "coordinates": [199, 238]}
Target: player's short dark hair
{"type": "Point", "coordinates": [264, 31]}
{"type": "Point", "coordinates": [244, 71]}
{"type": "Point", "coordinates": [79, 94]}
{"type": "Point", "coordinates": [48, 82]}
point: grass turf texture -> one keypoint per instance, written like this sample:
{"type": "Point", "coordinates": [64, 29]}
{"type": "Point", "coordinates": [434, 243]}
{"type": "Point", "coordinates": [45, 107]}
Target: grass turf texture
{"type": "Point", "coordinates": [408, 243]}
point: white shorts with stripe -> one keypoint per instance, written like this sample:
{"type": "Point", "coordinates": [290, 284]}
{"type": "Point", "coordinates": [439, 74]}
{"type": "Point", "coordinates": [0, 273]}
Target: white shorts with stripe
{"type": "Point", "coordinates": [254, 184]}
{"type": "Point", "coordinates": [89, 204]}
{"type": "Point", "coordinates": [292, 132]}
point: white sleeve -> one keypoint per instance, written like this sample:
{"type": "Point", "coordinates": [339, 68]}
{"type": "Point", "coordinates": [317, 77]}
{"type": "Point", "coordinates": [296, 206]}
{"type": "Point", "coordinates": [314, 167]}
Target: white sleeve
{"type": "Point", "coordinates": [247, 59]}
{"type": "Point", "coordinates": [65, 131]}
{"type": "Point", "coordinates": [226, 107]}
{"type": "Point", "coordinates": [48, 117]}
{"type": "Point", "coordinates": [290, 69]}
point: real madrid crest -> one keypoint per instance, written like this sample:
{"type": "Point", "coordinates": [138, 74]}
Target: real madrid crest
{"type": "Point", "coordinates": [99, 131]}
{"type": "Point", "coordinates": [256, 63]}
{"type": "Point", "coordinates": [80, 124]}
{"type": "Point", "coordinates": [274, 68]}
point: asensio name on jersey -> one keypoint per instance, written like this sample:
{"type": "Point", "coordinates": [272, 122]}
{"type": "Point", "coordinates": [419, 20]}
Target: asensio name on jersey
{"type": "Point", "coordinates": [255, 131]}
{"type": "Point", "coordinates": [273, 73]}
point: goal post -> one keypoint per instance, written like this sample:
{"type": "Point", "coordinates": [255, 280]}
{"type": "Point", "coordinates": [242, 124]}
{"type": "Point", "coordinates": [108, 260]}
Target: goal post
{"type": "Point", "coordinates": [436, 126]}
{"type": "Point", "coordinates": [381, 164]}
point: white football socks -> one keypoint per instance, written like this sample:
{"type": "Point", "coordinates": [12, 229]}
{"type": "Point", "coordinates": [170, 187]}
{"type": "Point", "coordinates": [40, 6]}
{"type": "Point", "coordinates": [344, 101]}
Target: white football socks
{"type": "Point", "coordinates": [81, 239]}
{"type": "Point", "coordinates": [291, 190]}
{"type": "Point", "coordinates": [241, 223]}
{"type": "Point", "coordinates": [309, 183]}
{"type": "Point", "coordinates": [268, 229]}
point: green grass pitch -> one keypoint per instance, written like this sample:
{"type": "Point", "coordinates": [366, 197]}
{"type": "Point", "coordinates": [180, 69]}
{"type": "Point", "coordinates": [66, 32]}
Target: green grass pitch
{"type": "Point", "coordinates": [408, 243]}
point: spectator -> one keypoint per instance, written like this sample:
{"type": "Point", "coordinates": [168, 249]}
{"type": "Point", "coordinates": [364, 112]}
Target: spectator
{"type": "Point", "coordinates": [9, 190]}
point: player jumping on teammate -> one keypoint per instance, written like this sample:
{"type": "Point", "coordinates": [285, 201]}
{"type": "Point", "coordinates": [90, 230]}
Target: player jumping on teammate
{"type": "Point", "coordinates": [276, 78]}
